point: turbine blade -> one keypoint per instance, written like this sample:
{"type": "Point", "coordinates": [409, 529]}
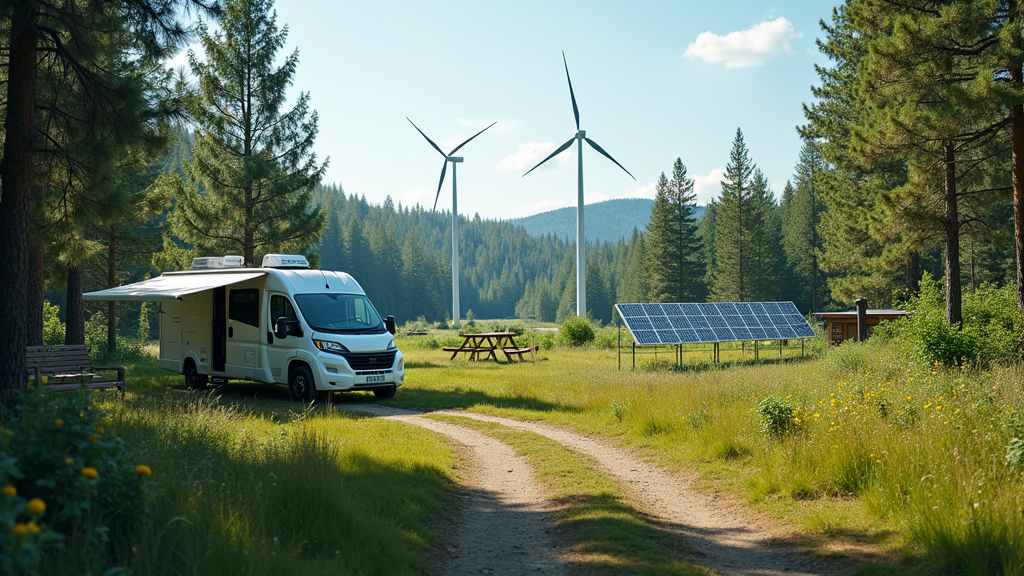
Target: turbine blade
{"type": "Point", "coordinates": [468, 139]}
{"type": "Point", "coordinates": [575, 110]}
{"type": "Point", "coordinates": [425, 136]}
{"type": "Point", "coordinates": [608, 156]}
{"type": "Point", "coordinates": [444, 167]}
{"type": "Point", "coordinates": [553, 154]}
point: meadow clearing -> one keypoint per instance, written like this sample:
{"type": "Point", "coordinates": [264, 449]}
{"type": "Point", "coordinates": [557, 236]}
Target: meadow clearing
{"type": "Point", "coordinates": [907, 465]}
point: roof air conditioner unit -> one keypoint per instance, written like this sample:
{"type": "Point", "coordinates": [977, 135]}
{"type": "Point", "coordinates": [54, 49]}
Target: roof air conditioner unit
{"type": "Point", "coordinates": [286, 261]}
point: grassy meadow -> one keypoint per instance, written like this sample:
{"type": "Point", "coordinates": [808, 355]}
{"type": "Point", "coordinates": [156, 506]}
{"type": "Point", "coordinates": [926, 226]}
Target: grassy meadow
{"type": "Point", "coordinates": [871, 447]}
{"type": "Point", "coordinates": [869, 453]}
{"type": "Point", "coordinates": [264, 487]}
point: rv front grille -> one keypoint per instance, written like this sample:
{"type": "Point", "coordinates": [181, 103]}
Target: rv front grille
{"type": "Point", "coordinates": [370, 360]}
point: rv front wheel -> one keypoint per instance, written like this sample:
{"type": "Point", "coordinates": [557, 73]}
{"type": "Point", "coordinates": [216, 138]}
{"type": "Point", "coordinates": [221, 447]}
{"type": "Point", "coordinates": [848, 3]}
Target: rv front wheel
{"type": "Point", "coordinates": [193, 379]}
{"type": "Point", "coordinates": [301, 385]}
{"type": "Point", "coordinates": [388, 392]}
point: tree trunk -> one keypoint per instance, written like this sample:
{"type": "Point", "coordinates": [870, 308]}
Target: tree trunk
{"type": "Point", "coordinates": [74, 313]}
{"type": "Point", "coordinates": [16, 197]}
{"type": "Point", "coordinates": [952, 225]}
{"type": "Point", "coordinates": [1017, 177]}
{"type": "Point", "coordinates": [112, 282]}
{"type": "Point", "coordinates": [35, 296]}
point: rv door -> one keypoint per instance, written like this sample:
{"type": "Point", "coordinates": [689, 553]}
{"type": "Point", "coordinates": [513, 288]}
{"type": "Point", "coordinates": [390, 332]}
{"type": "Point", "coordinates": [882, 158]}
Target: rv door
{"type": "Point", "coordinates": [243, 346]}
{"type": "Point", "coordinates": [281, 350]}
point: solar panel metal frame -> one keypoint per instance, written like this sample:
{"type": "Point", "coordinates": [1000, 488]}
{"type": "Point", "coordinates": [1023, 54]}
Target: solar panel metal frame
{"type": "Point", "coordinates": [710, 322]}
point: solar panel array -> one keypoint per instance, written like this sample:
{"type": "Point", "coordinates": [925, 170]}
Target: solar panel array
{"type": "Point", "coordinates": [713, 322]}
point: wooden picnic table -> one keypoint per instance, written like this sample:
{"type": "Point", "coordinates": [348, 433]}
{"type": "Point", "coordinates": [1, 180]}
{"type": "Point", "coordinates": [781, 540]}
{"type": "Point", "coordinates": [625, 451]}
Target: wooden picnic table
{"type": "Point", "coordinates": [484, 345]}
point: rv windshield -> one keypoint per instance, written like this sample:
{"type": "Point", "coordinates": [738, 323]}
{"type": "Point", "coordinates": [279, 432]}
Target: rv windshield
{"type": "Point", "coordinates": [340, 313]}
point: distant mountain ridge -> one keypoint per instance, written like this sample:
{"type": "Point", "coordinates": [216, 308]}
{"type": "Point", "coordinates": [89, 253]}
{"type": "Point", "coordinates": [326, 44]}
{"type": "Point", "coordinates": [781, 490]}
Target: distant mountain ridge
{"type": "Point", "coordinates": [606, 221]}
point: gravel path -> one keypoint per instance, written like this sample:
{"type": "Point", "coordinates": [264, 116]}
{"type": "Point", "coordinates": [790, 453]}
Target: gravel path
{"type": "Point", "coordinates": [728, 538]}
{"type": "Point", "coordinates": [503, 527]}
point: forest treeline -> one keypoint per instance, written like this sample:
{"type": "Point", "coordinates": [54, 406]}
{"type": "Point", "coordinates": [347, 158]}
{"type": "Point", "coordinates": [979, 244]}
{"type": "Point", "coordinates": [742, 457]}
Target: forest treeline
{"type": "Point", "coordinates": [910, 146]}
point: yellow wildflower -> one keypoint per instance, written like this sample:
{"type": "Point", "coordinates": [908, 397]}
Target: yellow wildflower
{"type": "Point", "coordinates": [99, 430]}
{"type": "Point", "coordinates": [69, 461]}
{"type": "Point", "coordinates": [19, 529]}
{"type": "Point", "coordinates": [10, 491]}
{"type": "Point", "coordinates": [32, 527]}
{"type": "Point", "coordinates": [58, 422]}
{"type": "Point", "coordinates": [938, 407]}
{"type": "Point", "coordinates": [90, 473]}
{"type": "Point", "coordinates": [143, 470]}
{"type": "Point", "coordinates": [36, 506]}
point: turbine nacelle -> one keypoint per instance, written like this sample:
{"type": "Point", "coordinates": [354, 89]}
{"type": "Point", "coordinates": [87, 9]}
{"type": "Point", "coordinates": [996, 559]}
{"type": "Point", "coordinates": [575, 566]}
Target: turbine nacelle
{"type": "Point", "coordinates": [581, 135]}
{"type": "Point", "coordinates": [454, 159]}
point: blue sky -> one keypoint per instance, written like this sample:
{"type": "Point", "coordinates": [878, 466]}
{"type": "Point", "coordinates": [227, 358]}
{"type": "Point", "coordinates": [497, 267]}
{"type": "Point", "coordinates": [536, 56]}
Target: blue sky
{"type": "Point", "coordinates": [653, 80]}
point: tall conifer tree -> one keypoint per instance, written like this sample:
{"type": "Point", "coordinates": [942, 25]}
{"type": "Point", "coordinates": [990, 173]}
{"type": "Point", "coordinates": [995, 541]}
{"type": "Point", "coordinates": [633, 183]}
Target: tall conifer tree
{"type": "Point", "coordinates": [673, 249]}
{"type": "Point", "coordinates": [253, 172]}
{"type": "Point", "coordinates": [733, 227]}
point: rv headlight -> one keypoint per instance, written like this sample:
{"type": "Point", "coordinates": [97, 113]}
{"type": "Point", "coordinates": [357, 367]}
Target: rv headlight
{"type": "Point", "coordinates": [328, 346]}
{"type": "Point", "coordinates": [391, 345]}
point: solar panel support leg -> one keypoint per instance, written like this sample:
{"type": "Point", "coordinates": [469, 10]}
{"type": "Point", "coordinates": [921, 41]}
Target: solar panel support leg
{"type": "Point", "coordinates": [634, 356]}
{"type": "Point", "coordinates": [620, 347]}
{"type": "Point", "coordinates": [756, 356]}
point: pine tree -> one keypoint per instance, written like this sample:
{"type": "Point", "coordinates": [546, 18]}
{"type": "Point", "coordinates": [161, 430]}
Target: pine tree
{"type": "Point", "coordinates": [673, 250]}
{"type": "Point", "coordinates": [765, 255]}
{"type": "Point", "coordinates": [250, 182]}
{"type": "Point", "coordinates": [733, 227]}
{"type": "Point", "coordinates": [800, 237]}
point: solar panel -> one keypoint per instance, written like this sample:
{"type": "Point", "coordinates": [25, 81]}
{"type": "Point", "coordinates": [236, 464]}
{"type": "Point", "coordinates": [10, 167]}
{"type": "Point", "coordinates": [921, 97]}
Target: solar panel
{"type": "Point", "coordinates": [688, 323]}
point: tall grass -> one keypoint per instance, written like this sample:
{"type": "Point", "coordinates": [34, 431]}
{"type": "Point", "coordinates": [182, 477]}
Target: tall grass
{"type": "Point", "coordinates": [247, 493]}
{"type": "Point", "coordinates": [882, 448]}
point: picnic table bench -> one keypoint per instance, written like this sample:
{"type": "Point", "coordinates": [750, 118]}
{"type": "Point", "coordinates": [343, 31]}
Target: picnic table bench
{"type": "Point", "coordinates": [69, 368]}
{"type": "Point", "coordinates": [484, 345]}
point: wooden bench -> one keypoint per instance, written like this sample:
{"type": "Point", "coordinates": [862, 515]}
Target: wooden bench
{"type": "Point", "coordinates": [514, 351]}
{"type": "Point", "coordinates": [69, 368]}
{"type": "Point", "coordinates": [475, 352]}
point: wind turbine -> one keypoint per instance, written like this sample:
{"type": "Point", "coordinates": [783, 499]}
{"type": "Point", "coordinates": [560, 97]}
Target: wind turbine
{"type": "Point", "coordinates": [581, 244]}
{"type": "Point", "coordinates": [455, 160]}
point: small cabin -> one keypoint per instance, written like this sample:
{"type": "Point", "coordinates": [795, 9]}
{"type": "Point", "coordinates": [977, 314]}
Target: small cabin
{"type": "Point", "coordinates": [841, 326]}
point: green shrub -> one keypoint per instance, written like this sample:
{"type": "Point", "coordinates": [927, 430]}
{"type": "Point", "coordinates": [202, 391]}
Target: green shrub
{"type": "Point", "coordinates": [778, 417]}
{"type": "Point", "coordinates": [509, 326]}
{"type": "Point", "coordinates": [129, 350]}
{"type": "Point", "coordinates": [56, 451]}
{"type": "Point", "coordinates": [988, 334]}
{"type": "Point", "coordinates": [53, 328]}
{"type": "Point", "coordinates": [576, 331]}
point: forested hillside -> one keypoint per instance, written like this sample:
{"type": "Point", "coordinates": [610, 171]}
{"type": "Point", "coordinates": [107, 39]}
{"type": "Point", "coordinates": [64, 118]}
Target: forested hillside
{"type": "Point", "coordinates": [607, 221]}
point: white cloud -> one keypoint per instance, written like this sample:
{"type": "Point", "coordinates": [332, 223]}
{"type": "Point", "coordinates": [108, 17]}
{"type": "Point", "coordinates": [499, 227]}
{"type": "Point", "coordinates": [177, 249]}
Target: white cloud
{"type": "Point", "coordinates": [744, 48]}
{"type": "Point", "coordinates": [529, 154]}
{"type": "Point", "coordinates": [422, 196]}
{"type": "Point", "coordinates": [708, 187]}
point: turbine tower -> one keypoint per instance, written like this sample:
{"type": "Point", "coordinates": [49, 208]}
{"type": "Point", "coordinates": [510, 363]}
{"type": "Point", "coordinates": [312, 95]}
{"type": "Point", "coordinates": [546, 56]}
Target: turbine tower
{"type": "Point", "coordinates": [455, 160]}
{"type": "Point", "coordinates": [581, 241]}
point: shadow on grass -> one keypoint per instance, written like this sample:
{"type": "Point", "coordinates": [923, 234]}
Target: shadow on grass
{"type": "Point", "coordinates": [232, 503]}
{"type": "Point", "coordinates": [460, 398]}
{"type": "Point", "coordinates": [610, 537]}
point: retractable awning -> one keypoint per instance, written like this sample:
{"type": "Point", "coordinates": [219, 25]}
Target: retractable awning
{"type": "Point", "coordinates": [169, 287]}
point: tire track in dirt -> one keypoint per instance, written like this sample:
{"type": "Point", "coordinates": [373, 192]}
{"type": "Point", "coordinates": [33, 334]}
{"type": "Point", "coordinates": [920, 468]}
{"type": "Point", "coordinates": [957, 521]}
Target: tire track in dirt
{"type": "Point", "coordinates": [728, 538]}
{"type": "Point", "coordinates": [502, 527]}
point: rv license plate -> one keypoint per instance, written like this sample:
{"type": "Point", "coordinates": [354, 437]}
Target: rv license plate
{"type": "Point", "coordinates": [372, 379]}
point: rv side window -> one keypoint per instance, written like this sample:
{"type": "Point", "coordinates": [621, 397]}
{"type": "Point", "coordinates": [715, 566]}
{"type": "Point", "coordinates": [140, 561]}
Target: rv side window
{"type": "Point", "coordinates": [280, 306]}
{"type": "Point", "coordinates": [245, 306]}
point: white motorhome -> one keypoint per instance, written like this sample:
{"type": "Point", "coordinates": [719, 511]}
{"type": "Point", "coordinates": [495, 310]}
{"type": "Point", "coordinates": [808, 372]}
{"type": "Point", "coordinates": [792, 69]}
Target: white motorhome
{"type": "Point", "coordinates": [314, 330]}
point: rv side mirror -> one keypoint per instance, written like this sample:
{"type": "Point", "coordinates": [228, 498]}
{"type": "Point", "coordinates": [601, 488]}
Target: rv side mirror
{"type": "Point", "coordinates": [389, 323]}
{"type": "Point", "coordinates": [281, 328]}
